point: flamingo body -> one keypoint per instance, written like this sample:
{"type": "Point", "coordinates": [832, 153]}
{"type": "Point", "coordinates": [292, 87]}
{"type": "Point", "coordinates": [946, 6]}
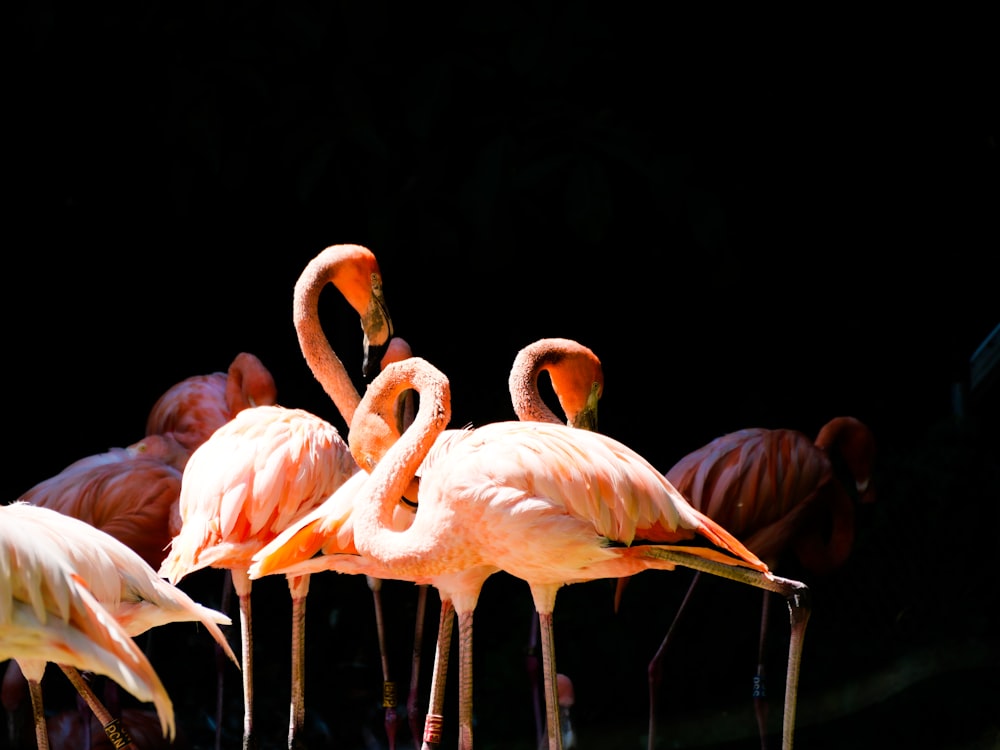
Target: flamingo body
{"type": "Point", "coordinates": [197, 406]}
{"type": "Point", "coordinates": [766, 486]}
{"type": "Point", "coordinates": [259, 472]}
{"type": "Point", "coordinates": [130, 493]}
{"type": "Point", "coordinates": [50, 608]}
{"type": "Point", "coordinates": [517, 490]}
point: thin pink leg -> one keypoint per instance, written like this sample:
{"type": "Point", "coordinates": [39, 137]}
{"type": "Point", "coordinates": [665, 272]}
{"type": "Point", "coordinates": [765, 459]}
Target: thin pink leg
{"type": "Point", "coordinates": [298, 586]}
{"type": "Point", "coordinates": [442, 653]}
{"type": "Point", "coordinates": [552, 723]}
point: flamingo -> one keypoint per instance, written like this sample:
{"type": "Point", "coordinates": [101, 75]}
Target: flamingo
{"type": "Point", "coordinates": [577, 380]}
{"type": "Point", "coordinates": [547, 503]}
{"type": "Point", "coordinates": [324, 538]}
{"type": "Point", "coordinates": [124, 583]}
{"type": "Point", "coordinates": [130, 493]}
{"type": "Point", "coordinates": [194, 408]}
{"type": "Point", "coordinates": [271, 464]}
{"type": "Point", "coordinates": [190, 411]}
{"type": "Point", "coordinates": [52, 582]}
{"type": "Point", "coordinates": [776, 490]}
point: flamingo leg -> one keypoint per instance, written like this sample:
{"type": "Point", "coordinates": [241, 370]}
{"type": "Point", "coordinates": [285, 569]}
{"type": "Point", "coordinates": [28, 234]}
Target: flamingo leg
{"type": "Point", "coordinates": [799, 616]}
{"type": "Point", "coordinates": [242, 585]}
{"type": "Point", "coordinates": [759, 680]}
{"type": "Point", "coordinates": [796, 594]}
{"type": "Point", "coordinates": [112, 726]}
{"type": "Point", "coordinates": [552, 720]}
{"type": "Point", "coordinates": [38, 711]}
{"type": "Point", "coordinates": [531, 666]}
{"type": "Point", "coordinates": [465, 680]}
{"type": "Point", "coordinates": [412, 707]}
{"type": "Point", "coordinates": [298, 586]}
{"type": "Point", "coordinates": [655, 669]}
{"type": "Point", "coordinates": [388, 686]}
{"type": "Point", "coordinates": [442, 653]}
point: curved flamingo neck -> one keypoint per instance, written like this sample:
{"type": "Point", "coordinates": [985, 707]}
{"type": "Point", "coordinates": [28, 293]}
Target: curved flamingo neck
{"type": "Point", "coordinates": [856, 444]}
{"type": "Point", "coordinates": [351, 269]}
{"type": "Point", "coordinates": [248, 383]}
{"type": "Point", "coordinates": [393, 468]}
{"type": "Point", "coordinates": [576, 376]}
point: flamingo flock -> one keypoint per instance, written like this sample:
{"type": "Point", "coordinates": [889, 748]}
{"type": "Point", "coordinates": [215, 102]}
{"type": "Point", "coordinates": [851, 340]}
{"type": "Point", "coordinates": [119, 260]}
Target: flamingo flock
{"type": "Point", "coordinates": [227, 478]}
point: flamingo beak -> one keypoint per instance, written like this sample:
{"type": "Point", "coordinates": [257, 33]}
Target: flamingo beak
{"type": "Point", "coordinates": [373, 358]}
{"type": "Point", "coordinates": [377, 327]}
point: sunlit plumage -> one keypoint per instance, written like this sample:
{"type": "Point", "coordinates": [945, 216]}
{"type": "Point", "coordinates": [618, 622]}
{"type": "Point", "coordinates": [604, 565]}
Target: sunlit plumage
{"type": "Point", "coordinates": [270, 465]}
{"type": "Point", "coordinates": [51, 588]}
{"type": "Point", "coordinates": [547, 503]}
{"type": "Point", "coordinates": [197, 406]}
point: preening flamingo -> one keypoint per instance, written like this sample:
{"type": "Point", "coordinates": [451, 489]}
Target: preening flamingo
{"type": "Point", "coordinates": [577, 380]}
{"type": "Point", "coordinates": [270, 465]}
{"type": "Point", "coordinates": [50, 612]}
{"type": "Point", "coordinates": [125, 584]}
{"type": "Point", "coordinates": [576, 376]}
{"type": "Point", "coordinates": [197, 406]}
{"type": "Point", "coordinates": [776, 490]}
{"type": "Point", "coordinates": [130, 493]}
{"type": "Point", "coordinates": [546, 503]}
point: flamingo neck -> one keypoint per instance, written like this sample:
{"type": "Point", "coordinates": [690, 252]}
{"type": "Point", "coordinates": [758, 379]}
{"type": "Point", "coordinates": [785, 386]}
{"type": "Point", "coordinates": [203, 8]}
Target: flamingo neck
{"type": "Point", "coordinates": [576, 377]}
{"type": "Point", "coordinates": [526, 397]}
{"type": "Point", "coordinates": [248, 384]}
{"type": "Point", "coordinates": [336, 265]}
{"type": "Point", "coordinates": [856, 445]}
{"type": "Point", "coordinates": [392, 469]}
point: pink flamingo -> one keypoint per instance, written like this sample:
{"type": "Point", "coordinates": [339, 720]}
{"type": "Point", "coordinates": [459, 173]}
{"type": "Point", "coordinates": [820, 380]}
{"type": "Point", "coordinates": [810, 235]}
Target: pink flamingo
{"type": "Point", "coordinates": [270, 465]}
{"type": "Point", "coordinates": [324, 538]}
{"type": "Point", "coordinates": [775, 489]}
{"type": "Point", "coordinates": [547, 503]}
{"type": "Point", "coordinates": [197, 406]}
{"type": "Point", "coordinates": [577, 380]}
{"type": "Point", "coordinates": [130, 493]}
{"type": "Point", "coordinates": [76, 596]}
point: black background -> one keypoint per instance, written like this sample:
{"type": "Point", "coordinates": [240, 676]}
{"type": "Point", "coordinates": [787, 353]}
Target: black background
{"type": "Point", "coordinates": [750, 227]}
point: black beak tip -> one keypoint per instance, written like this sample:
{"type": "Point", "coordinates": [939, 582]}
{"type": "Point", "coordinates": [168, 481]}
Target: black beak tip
{"type": "Point", "coordinates": [371, 365]}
